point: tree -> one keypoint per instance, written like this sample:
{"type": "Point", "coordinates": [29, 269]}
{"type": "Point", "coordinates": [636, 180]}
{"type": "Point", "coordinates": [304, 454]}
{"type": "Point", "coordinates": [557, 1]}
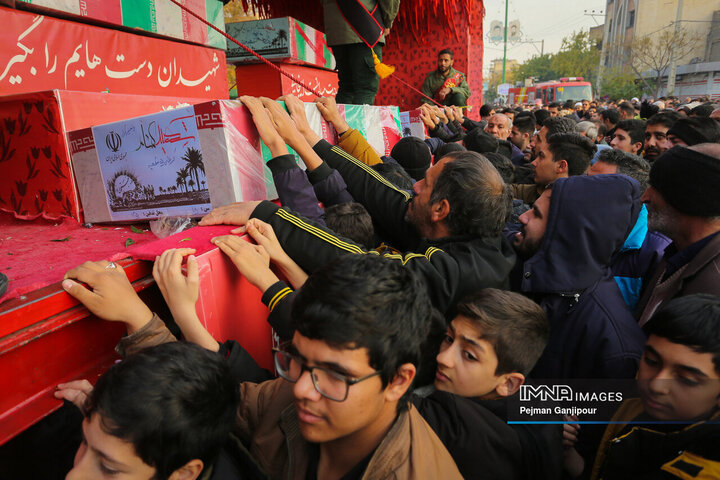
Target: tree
{"type": "Point", "coordinates": [180, 180]}
{"type": "Point", "coordinates": [282, 37]}
{"type": "Point", "coordinates": [185, 174]}
{"type": "Point", "coordinates": [539, 66]}
{"type": "Point", "coordinates": [193, 158]}
{"type": "Point", "coordinates": [578, 57]}
{"type": "Point", "coordinates": [619, 83]}
{"type": "Point", "coordinates": [654, 52]}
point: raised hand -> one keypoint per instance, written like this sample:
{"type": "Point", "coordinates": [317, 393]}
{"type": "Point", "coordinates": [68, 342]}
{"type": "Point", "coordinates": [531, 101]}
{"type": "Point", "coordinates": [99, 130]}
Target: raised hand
{"type": "Point", "coordinates": [450, 113]}
{"type": "Point", "coordinates": [284, 125]}
{"type": "Point", "coordinates": [439, 113]}
{"type": "Point", "coordinates": [330, 112]}
{"type": "Point", "coordinates": [265, 126]}
{"type": "Point", "coordinates": [296, 109]}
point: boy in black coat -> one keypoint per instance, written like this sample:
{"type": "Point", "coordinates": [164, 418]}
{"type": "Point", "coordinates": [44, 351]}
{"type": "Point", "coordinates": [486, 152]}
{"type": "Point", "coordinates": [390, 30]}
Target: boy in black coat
{"type": "Point", "coordinates": [492, 343]}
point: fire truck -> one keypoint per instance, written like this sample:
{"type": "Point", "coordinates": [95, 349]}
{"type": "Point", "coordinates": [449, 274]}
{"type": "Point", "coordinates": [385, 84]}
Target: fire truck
{"type": "Point", "coordinates": [567, 88]}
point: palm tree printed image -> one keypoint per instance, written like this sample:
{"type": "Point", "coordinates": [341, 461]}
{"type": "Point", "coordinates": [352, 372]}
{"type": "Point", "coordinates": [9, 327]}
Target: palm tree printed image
{"type": "Point", "coordinates": [195, 165]}
{"type": "Point", "coordinates": [188, 186]}
{"type": "Point", "coordinates": [280, 40]}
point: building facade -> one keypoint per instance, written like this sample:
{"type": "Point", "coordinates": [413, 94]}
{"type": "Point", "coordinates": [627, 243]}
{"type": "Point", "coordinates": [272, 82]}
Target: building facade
{"type": "Point", "coordinates": [626, 21]}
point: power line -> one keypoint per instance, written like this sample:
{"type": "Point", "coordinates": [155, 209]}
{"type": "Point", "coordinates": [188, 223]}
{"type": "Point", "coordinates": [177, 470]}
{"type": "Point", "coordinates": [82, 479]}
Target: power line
{"type": "Point", "coordinates": [548, 28]}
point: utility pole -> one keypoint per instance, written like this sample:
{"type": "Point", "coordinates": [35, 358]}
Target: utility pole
{"type": "Point", "coordinates": [673, 60]}
{"type": "Point", "coordinates": [542, 47]}
{"type": "Point", "coordinates": [603, 50]}
{"type": "Point", "coordinates": [505, 42]}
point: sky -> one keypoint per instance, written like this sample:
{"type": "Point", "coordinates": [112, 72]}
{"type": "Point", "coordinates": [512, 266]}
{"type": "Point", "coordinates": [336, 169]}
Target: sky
{"type": "Point", "coordinates": [550, 20]}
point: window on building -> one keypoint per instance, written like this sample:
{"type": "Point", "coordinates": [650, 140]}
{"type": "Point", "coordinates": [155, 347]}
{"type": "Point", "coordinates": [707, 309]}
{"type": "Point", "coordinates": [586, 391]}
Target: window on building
{"type": "Point", "coordinates": [631, 19]}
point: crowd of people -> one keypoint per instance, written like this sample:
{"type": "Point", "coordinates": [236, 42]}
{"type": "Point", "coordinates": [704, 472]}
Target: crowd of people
{"type": "Point", "coordinates": [415, 294]}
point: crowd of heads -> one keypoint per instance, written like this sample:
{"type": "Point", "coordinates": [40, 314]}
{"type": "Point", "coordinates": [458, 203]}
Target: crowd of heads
{"type": "Point", "coordinates": [548, 197]}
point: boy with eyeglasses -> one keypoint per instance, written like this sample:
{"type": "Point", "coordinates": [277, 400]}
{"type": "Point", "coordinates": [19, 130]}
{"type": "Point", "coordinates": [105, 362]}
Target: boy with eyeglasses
{"type": "Point", "coordinates": [340, 408]}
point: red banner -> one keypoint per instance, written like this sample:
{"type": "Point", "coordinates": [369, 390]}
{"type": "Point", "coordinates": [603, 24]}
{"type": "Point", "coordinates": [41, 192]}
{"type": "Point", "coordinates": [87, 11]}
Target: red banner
{"type": "Point", "coordinates": [41, 53]}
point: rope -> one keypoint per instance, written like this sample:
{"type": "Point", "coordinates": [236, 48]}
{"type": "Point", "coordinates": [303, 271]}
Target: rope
{"type": "Point", "coordinates": [280, 70]}
{"type": "Point", "coordinates": [247, 49]}
{"type": "Point", "coordinates": [415, 89]}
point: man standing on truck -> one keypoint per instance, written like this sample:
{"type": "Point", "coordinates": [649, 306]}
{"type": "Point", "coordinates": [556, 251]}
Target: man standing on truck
{"type": "Point", "coordinates": [446, 85]}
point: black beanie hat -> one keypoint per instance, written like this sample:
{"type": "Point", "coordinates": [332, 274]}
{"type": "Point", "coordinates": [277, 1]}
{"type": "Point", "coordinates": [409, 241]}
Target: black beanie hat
{"type": "Point", "coordinates": [413, 155]}
{"type": "Point", "coordinates": [696, 130]}
{"type": "Point", "coordinates": [688, 181]}
{"type": "Point", "coordinates": [478, 141]}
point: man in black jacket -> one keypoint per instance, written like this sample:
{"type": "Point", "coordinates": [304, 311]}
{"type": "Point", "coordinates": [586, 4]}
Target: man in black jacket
{"type": "Point", "coordinates": [449, 230]}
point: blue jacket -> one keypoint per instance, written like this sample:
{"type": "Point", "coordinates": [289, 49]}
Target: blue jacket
{"type": "Point", "coordinates": [592, 331]}
{"type": "Point", "coordinates": [293, 188]}
{"type": "Point", "coordinates": [637, 259]}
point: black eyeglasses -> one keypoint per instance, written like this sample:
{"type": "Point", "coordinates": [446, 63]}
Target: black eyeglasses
{"type": "Point", "coordinates": [329, 384]}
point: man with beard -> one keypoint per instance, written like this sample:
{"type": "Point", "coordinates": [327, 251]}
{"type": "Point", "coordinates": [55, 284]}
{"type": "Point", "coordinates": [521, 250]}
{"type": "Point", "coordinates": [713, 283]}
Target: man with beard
{"type": "Point", "coordinates": [449, 230]}
{"type": "Point", "coordinates": [446, 85]}
{"type": "Point", "coordinates": [643, 249]}
{"type": "Point", "coordinates": [565, 247]}
{"type": "Point", "coordinates": [521, 134]}
{"type": "Point", "coordinates": [656, 134]}
{"type": "Point", "coordinates": [684, 204]}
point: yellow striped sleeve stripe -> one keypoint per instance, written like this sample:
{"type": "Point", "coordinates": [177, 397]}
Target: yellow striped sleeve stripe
{"type": "Point", "coordinates": [279, 296]}
{"type": "Point", "coordinates": [369, 170]}
{"type": "Point", "coordinates": [396, 256]}
{"type": "Point", "coordinates": [429, 252]}
{"type": "Point", "coordinates": [322, 234]}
